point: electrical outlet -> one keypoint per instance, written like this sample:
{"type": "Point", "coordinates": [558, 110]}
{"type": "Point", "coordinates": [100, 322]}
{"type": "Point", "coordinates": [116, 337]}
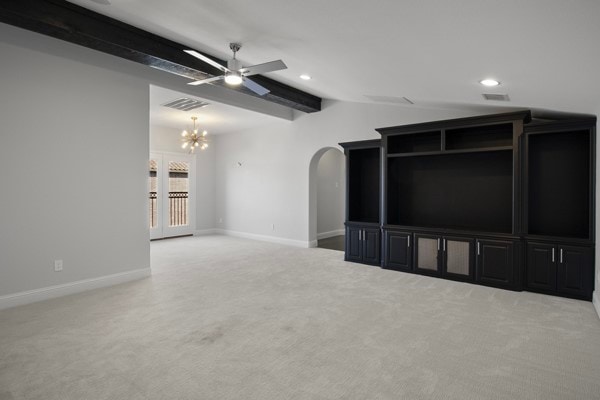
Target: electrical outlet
{"type": "Point", "coordinates": [58, 265]}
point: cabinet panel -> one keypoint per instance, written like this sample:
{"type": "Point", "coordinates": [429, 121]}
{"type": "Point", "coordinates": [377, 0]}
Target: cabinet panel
{"type": "Point", "coordinates": [398, 251]}
{"type": "Point", "coordinates": [541, 266]}
{"type": "Point", "coordinates": [458, 259]}
{"type": "Point", "coordinates": [353, 244]}
{"type": "Point", "coordinates": [427, 250]}
{"type": "Point", "coordinates": [574, 275]}
{"type": "Point", "coordinates": [371, 246]}
{"type": "Point", "coordinates": [495, 262]}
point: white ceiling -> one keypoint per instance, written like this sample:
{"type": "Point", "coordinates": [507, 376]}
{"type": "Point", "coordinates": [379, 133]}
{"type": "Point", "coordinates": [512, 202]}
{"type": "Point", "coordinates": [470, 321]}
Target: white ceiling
{"type": "Point", "coordinates": [216, 118]}
{"type": "Point", "coordinates": [545, 52]}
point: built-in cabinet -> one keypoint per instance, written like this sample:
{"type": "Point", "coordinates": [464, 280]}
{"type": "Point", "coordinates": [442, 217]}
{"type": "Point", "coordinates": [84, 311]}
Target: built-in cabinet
{"type": "Point", "coordinates": [499, 200]}
{"type": "Point", "coordinates": [397, 250]}
{"type": "Point", "coordinates": [558, 268]}
{"type": "Point", "coordinates": [558, 227]}
{"type": "Point", "coordinates": [447, 256]}
{"type": "Point", "coordinates": [363, 201]}
{"type": "Point", "coordinates": [363, 244]}
{"type": "Point", "coordinates": [498, 264]}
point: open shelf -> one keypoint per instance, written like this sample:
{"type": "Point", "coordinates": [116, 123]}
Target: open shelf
{"type": "Point", "coordinates": [464, 191]}
{"type": "Point", "coordinates": [415, 142]}
{"type": "Point", "coordinates": [363, 185]}
{"type": "Point", "coordinates": [499, 135]}
{"type": "Point", "coordinates": [558, 184]}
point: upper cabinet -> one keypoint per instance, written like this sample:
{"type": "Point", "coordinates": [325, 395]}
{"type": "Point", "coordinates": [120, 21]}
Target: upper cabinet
{"type": "Point", "coordinates": [559, 180]}
{"type": "Point", "coordinates": [456, 175]}
{"type": "Point", "coordinates": [363, 181]}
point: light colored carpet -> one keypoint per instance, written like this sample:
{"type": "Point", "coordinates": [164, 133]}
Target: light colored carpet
{"type": "Point", "coordinates": [228, 318]}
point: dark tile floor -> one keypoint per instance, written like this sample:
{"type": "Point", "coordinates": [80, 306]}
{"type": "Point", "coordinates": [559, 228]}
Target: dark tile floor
{"type": "Point", "coordinates": [332, 243]}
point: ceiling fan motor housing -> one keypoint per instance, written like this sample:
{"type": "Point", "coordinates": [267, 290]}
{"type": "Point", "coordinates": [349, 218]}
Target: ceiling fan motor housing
{"type": "Point", "coordinates": [234, 64]}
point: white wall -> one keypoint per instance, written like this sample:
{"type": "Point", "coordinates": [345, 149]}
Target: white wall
{"type": "Point", "coordinates": [272, 184]}
{"type": "Point", "coordinates": [73, 160]}
{"type": "Point", "coordinates": [164, 139]}
{"type": "Point", "coordinates": [331, 199]}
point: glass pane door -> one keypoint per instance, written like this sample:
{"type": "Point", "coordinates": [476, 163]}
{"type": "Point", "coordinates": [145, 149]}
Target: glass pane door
{"type": "Point", "coordinates": [178, 193]}
{"type": "Point", "coordinates": [171, 192]}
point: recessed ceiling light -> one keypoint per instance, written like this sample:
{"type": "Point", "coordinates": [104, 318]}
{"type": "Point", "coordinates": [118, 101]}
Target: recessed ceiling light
{"type": "Point", "coordinates": [305, 77]}
{"type": "Point", "coordinates": [489, 82]}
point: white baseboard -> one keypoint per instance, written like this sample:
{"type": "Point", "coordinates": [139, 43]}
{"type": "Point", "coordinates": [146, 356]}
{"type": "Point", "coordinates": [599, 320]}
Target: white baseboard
{"type": "Point", "coordinates": [325, 235]}
{"type": "Point", "coordinates": [264, 238]}
{"type": "Point", "coordinates": [596, 301]}
{"type": "Point", "coordinates": [50, 292]}
{"type": "Point", "coordinates": [313, 244]}
{"type": "Point", "coordinates": [204, 232]}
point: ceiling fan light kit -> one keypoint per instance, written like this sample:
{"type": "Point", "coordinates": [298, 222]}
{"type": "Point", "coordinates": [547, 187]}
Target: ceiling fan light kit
{"type": "Point", "coordinates": [233, 78]}
{"type": "Point", "coordinates": [235, 74]}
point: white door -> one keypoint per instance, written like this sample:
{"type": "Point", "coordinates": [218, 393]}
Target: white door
{"type": "Point", "coordinates": [171, 195]}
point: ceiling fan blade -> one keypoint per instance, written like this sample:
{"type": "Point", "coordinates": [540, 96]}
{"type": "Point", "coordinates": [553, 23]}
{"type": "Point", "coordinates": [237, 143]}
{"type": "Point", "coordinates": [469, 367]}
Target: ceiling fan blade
{"type": "Point", "coordinates": [203, 81]}
{"type": "Point", "coordinates": [255, 87]}
{"type": "Point", "coordinates": [264, 68]}
{"type": "Point", "coordinates": [207, 60]}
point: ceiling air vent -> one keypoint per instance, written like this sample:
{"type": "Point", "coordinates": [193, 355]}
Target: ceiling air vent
{"type": "Point", "coordinates": [389, 99]}
{"type": "Point", "coordinates": [185, 104]}
{"type": "Point", "coordinates": [496, 97]}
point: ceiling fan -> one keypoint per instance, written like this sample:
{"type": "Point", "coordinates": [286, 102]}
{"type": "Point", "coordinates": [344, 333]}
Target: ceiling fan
{"type": "Point", "coordinates": [235, 74]}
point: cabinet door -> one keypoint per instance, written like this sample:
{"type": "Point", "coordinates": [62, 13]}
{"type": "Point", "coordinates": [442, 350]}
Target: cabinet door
{"type": "Point", "coordinates": [371, 245]}
{"type": "Point", "coordinates": [427, 254]}
{"type": "Point", "coordinates": [353, 244]}
{"type": "Point", "coordinates": [541, 266]}
{"type": "Point", "coordinates": [574, 275]}
{"type": "Point", "coordinates": [495, 262]}
{"type": "Point", "coordinates": [458, 257]}
{"type": "Point", "coordinates": [398, 251]}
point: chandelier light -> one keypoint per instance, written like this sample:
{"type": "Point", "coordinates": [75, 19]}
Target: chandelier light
{"type": "Point", "coordinates": [194, 139]}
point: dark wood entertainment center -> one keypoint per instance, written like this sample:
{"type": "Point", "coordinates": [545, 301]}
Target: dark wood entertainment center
{"type": "Point", "coordinates": [501, 200]}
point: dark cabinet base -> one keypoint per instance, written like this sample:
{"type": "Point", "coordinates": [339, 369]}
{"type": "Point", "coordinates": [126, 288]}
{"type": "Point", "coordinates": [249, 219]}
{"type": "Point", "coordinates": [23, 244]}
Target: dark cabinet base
{"type": "Point", "coordinates": [397, 250]}
{"type": "Point", "coordinates": [497, 264]}
{"type": "Point", "coordinates": [363, 244]}
{"type": "Point", "coordinates": [558, 269]}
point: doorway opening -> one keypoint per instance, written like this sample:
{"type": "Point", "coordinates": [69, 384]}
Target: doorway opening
{"type": "Point", "coordinates": [327, 199]}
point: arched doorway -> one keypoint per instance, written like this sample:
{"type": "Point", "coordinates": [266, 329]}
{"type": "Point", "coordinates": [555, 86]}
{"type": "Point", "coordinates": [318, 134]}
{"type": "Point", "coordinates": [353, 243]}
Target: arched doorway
{"type": "Point", "coordinates": [327, 178]}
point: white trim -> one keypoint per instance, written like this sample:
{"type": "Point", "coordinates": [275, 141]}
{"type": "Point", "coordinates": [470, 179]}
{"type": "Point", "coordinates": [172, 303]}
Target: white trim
{"type": "Point", "coordinates": [596, 301]}
{"type": "Point", "coordinates": [264, 238]}
{"type": "Point", "coordinates": [204, 232]}
{"type": "Point", "coordinates": [50, 292]}
{"type": "Point", "coordinates": [325, 235]}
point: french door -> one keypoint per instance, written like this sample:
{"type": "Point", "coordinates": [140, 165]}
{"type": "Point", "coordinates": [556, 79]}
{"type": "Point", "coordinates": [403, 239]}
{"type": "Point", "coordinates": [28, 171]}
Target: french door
{"type": "Point", "coordinates": [171, 200]}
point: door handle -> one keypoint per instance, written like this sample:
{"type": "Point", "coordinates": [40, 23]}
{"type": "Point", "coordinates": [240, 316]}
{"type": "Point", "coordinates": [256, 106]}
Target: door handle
{"type": "Point", "coordinates": [561, 256]}
{"type": "Point", "coordinates": [553, 254]}
{"type": "Point", "coordinates": [438, 244]}
{"type": "Point", "coordinates": [444, 242]}
{"type": "Point", "coordinates": [478, 252]}
{"type": "Point", "coordinates": [408, 237]}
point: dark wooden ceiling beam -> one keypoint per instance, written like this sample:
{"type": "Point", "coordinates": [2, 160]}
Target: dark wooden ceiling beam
{"type": "Point", "coordinates": [63, 20]}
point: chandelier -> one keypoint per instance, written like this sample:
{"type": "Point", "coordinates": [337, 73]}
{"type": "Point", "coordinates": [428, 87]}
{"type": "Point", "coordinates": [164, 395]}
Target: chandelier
{"type": "Point", "coordinates": [194, 139]}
